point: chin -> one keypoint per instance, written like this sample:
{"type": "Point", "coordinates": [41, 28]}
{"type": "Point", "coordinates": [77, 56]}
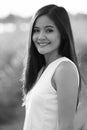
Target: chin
{"type": "Point", "coordinates": [43, 53]}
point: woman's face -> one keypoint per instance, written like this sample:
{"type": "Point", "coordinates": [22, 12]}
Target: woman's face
{"type": "Point", "coordinates": [46, 36]}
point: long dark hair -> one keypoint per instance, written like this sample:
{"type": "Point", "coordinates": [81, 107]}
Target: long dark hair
{"type": "Point", "coordinates": [36, 61]}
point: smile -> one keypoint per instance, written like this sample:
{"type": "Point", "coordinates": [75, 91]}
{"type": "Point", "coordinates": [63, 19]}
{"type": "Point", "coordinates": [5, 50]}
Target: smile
{"type": "Point", "coordinates": [43, 43]}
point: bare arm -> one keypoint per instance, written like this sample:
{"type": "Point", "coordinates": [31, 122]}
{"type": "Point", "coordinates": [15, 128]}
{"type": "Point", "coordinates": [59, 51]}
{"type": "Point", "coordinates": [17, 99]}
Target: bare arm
{"type": "Point", "coordinates": [66, 81]}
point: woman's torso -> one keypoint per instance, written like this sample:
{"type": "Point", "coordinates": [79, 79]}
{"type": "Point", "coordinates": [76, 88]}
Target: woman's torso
{"type": "Point", "coordinates": [42, 102]}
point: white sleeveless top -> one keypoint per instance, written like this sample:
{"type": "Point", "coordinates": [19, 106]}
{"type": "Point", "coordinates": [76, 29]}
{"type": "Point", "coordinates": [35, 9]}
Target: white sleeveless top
{"type": "Point", "coordinates": [42, 102]}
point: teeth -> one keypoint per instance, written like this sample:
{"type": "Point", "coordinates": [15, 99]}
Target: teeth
{"type": "Point", "coordinates": [43, 44]}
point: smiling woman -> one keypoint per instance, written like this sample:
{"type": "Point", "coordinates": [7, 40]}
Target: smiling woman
{"type": "Point", "coordinates": [51, 75]}
{"type": "Point", "coordinates": [46, 36]}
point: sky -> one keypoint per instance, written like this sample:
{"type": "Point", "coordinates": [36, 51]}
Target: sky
{"type": "Point", "coordinates": [27, 8]}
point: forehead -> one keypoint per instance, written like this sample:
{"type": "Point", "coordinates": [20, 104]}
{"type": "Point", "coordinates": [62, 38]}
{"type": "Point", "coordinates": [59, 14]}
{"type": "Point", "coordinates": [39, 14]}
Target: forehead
{"type": "Point", "coordinates": [44, 21]}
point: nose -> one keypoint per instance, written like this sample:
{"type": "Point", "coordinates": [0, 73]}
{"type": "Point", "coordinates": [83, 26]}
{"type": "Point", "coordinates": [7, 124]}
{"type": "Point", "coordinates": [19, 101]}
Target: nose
{"type": "Point", "coordinates": [41, 36]}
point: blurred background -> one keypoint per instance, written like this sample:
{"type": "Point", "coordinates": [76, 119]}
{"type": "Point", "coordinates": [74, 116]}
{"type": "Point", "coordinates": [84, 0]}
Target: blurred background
{"type": "Point", "coordinates": [14, 31]}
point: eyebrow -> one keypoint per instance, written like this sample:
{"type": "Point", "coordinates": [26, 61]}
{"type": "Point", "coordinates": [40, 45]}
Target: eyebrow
{"type": "Point", "coordinates": [47, 26]}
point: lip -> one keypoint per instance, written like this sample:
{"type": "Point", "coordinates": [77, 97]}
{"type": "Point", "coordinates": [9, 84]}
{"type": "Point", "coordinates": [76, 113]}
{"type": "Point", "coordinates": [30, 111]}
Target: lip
{"type": "Point", "coordinates": [43, 43]}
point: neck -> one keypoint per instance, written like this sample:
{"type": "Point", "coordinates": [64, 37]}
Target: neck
{"type": "Point", "coordinates": [51, 58]}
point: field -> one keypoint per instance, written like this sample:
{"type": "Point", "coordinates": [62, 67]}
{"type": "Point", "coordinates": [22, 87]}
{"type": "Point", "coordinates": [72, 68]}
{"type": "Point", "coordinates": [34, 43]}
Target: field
{"type": "Point", "coordinates": [14, 33]}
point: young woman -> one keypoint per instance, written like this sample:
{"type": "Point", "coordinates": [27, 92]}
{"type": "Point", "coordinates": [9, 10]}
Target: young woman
{"type": "Point", "coordinates": [51, 75]}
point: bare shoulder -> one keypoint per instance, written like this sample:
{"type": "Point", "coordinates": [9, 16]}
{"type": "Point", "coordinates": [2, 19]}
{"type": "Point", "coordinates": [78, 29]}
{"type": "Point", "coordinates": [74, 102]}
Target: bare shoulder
{"type": "Point", "coordinates": [66, 73]}
{"type": "Point", "coordinates": [66, 66]}
{"type": "Point", "coordinates": [66, 82]}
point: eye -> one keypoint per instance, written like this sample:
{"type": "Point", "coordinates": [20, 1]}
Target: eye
{"type": "Point", "coordinates": [36, 30]}
{"type": "Point", "coordinates": [49, 30]}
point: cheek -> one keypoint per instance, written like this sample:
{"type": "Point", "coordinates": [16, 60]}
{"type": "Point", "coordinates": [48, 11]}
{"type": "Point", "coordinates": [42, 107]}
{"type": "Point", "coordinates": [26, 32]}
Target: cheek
{"type": "Point", "coordinates": [34, 37]}
{"type": "Point", "coordinates": [56, 40]}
